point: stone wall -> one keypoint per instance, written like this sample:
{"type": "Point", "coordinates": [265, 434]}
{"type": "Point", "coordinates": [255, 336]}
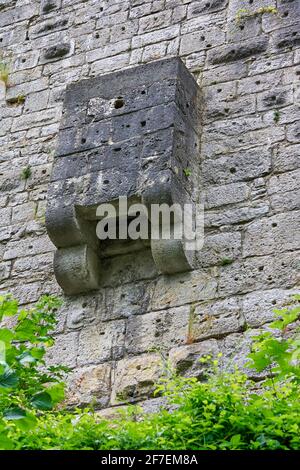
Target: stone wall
{"type": "Point", "coordinates": [244, 56]}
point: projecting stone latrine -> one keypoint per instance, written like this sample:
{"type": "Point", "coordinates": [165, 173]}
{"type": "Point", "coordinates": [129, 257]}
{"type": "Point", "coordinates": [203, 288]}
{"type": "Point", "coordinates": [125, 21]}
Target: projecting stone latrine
{"type": "Point", "coordinates": [236, 66]}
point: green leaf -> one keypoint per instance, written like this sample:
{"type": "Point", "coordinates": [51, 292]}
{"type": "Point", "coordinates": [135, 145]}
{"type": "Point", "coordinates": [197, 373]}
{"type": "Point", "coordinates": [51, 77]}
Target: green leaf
{"type": "Point", "coordinates": [8, 307]}
{"type": "Point", "coordinates": [56, 392]}
{"type": "Point", "coordinates": [26, 423]}
{"type": "Point", "coordinates": [26, 358]}
{"type": "Point", "coordinates": [42, 401]}
{"type": "Point", "coordinates": [5, 442]}
{"type": "Point", "coordinates": [235, 440]}
{"type": "Point", "coordinates": [6, 335]}
{"type": "Point", "coordinates": [8, 379]}
{"type": "Point", "coordinates": [14, 413]}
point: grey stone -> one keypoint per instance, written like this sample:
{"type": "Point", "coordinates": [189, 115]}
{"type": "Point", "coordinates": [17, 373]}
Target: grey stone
{"type": "Point", "coordinates": [101, 343]}
{"type": "Point", "coordinates": [258, 306]}
{"type": "Point", "coordinates": [186, 360]}
{"type": "Point", "coordinates": [272, 235]}
{"type": "Point", "coordinates": [236, 52]}
{"type": "Point", "coordinates": [104, 121]}
{"type": "Point", "coordinates": [136, 378]}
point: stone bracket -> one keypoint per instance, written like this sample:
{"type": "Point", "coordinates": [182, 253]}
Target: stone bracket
{"type": "Point", "coordinates": [132, 133]}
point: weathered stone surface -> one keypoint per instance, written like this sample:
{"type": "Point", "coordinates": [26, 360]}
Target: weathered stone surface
{"type": "Point", "coordinates": [220, 248]}
{"type": "Point", "coordinates": [90, 385]}
{"type": "Point", "coordinates": [259, 305]}
{"type": "Point", "coordinates": [160, 330]}
{"type": "Point", "coordinates": [135, 378]}
{"type": "Point", "coordinates": [228, 194]}
{"type": "Point", "coordinates": [64, 350]}
{"type": "Point", "coordinates": [215, 319]}
{"type": "Point", "coordinates": [272, 235]}
{"type": "Point", "coordinates": [189, 287]}
{"type": "Point", "coordinates": [100, 343]}
{"type": "Point", "coordinates": [98, 117]}
{"type": "Point", "coordinates": [244, 166]}
{"type": "Point", "coordinates": [186, 359]}
{"type": "Point", "coordinates": [237, 51]}
{"type": "Point", "coordinates": [249, 158]}
{"type": "Point", "coordinates": [122, 303]}
{"type": "Point", "coordinates": [264, 272]}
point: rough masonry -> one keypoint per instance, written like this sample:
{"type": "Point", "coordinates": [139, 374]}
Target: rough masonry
{"type": "Point", "coordinates": [132, 134]}
{"type": "Point", "coordinates": [244, 55]}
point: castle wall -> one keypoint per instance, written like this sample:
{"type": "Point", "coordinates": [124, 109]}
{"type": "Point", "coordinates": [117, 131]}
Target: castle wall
{"type": "Point", "coordinates": [245, 58]}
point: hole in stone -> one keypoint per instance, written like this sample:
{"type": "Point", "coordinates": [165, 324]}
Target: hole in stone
{"type": "Point", "coordinates": [23, 60]}
{"type": "Point", "coordinates": [84, 304]}
{"type": "Point", "coordinates": [105, 181]}
{"type": "Point", "coordinates": [143, 92]}
{"type": "Point", "coordinates": [27, 36]}
{"type": "Point", "coordinates": [30, 247]}
{"type": "Point", "coordinates": [250, 2]}
{"type": "Point", "coordinates": [232, 170]}
{"type": "Point", "coordinates": [261, 268]}
{"type": "Point", "coordinates": [138, 367]}
{"type": "Point", "coordinates": [123, 28]}
{"type": "Point", "coordinates": [122, 296]}
{"type": "Point", "coordinates": [207, 5]}
{"type": "Point", "coordinates": [294, 33]}
{"type": "Point", "coordinates": [274, 224]}
{"type": "Point", "coordinates": [117, 149]}
{"type": "Point", "coordinates": [285, 14]}
{"type": "Point", "coordinates": [187, 105]}
{"type": "Point", "coordinates": [226, 110]}
{"type": "Point", "coordinates": [240, 141]}
{"type": "Point", "coordinates": [97, 35]}
{"type": "Point", "coordinates": [219, 90]}
{"type": "Point", "coordinates": [232, 51]}
{"type": "Point", "coordinates": [119, 103]}
{"type": "Point", "coordinates": [208, 45]}
{"type": "Point", "coordinates": [143, 123]}
{"type": "Point", "coordinates": [202, 38]}
{"type": "Point", "coordinates": [127, 125]}
{"type": "Point", "coordinates": [1, 39]}
{"type": "Point", "coordinates": [236, 278]}
{"type": "Point", "coordinates": [44, 172]}
{"type": "Point", "coordinates": [273, 98]}
{"type": "Point", "coordinates": [83, 140]}
{"type": "Point", "coordinates": [242, 27]}
{"type": "Point", "coordinates": [101, 8]}
{"type": "Point", "coordinates": [274, 302]}
{"type": "Point", "coordinates": [257, 82]}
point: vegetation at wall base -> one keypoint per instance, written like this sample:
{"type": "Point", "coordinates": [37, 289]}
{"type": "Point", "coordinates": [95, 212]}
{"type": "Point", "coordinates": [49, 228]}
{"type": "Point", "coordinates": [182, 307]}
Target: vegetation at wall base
{"type": "Point", "coordinates": [227, 411]}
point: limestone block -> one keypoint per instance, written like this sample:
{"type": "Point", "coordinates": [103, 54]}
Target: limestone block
{"type": "Point", "coordinates": [215, 319]}
{"type": "Point", "coordinates": [235, 52]}
{"type": "Point", "coordinates": [122, 302]}
{"type": "Point", "coordinates": [186, 359]}
{"type": "Point", "coordinates": [227, 194]}
{"type": "Point", "coordinates": [157, 330]}
{"type": "Point", "coordinates": [258, 306]}
{"type": "Point", "coordinates": [262, 272]}
{"type": "Point", "coordinates": [64, 350]}
{"type": "Point", "coordinates": [183, 288]}
{"type": "Point", "coordinates": [89, 386]}
{"type": "Point", "coordinates": [100, 343]}
{"type": "Point", "coordinates": [135, 378]}
{"type": "Point", "coordinates": [220, 249]}
{"type": "Point", "coordinates": [272, 235]}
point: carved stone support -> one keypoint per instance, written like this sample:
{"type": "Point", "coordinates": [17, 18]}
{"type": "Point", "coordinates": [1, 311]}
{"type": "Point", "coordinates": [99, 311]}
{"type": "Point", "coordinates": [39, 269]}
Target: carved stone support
{"type": "Point", "coordinates": [132, 133]}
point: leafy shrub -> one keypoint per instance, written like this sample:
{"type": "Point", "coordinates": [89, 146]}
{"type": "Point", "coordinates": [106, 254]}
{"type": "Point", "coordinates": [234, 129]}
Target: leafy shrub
{"type": "Point", "coordinates": [227, 411]}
